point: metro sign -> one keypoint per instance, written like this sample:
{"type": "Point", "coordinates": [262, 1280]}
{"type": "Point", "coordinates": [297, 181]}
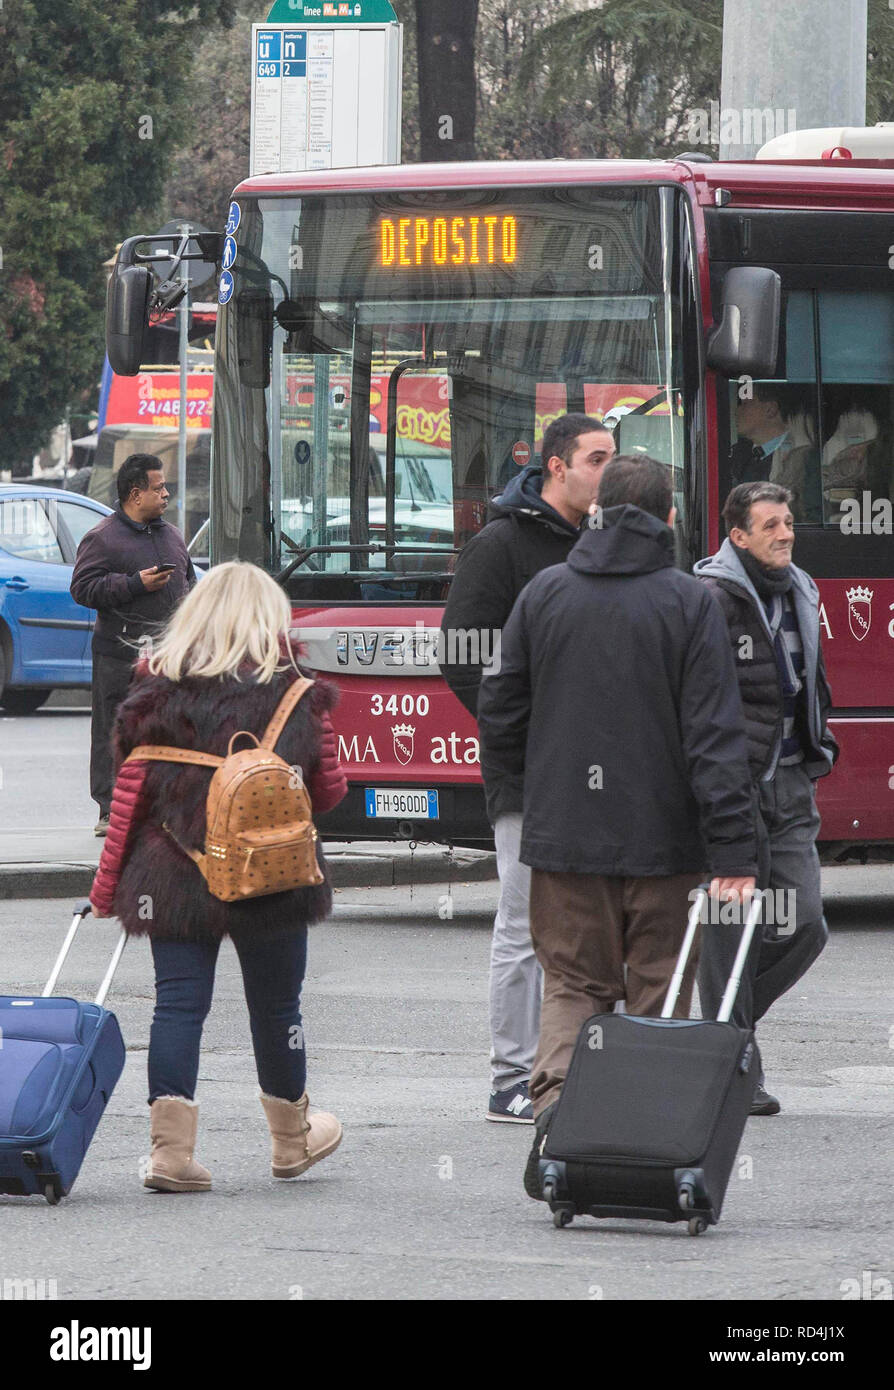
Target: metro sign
{"type": "Point", "coordinates": [331, 12]}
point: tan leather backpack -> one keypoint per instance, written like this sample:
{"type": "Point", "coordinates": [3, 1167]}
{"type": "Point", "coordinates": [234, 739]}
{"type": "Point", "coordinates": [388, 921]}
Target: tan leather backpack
{"type": "Point", "coordinates": [259, 835]}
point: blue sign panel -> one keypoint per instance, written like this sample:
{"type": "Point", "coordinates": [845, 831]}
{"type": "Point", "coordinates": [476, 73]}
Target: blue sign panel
{"type": "Point", "coordinates": [268, 56]}
{"type": "Point", "coordinates": [294, 53]}
{"type": "Point", "coordinates": [228, 256]}
{"type": "Point", "coordinates": [225, 288]}
{"type": "Point", "coordinates": [234, 217]}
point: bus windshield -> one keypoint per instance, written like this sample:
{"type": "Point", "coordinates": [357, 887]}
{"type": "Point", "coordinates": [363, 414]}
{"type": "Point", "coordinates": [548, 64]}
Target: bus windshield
{"type": "Point", "coordinates": [388, 362]}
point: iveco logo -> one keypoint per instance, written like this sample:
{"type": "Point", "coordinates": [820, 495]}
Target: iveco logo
{"type": "Point", "coordinates": [372, 651]}
{"type": "Point", "coordinates": [381, 647]}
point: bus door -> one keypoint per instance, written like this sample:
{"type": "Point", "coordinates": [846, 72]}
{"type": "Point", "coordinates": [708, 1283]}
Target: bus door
{"type": "Point", "coordinates": [823, 428]}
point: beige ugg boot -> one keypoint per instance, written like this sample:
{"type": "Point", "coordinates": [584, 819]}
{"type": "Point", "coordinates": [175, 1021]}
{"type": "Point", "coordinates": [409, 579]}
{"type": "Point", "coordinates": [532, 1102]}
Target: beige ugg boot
{"type": "Point", "coordinates": [299, 1139]}
{"type": "Point", "coordinates": [173, 1122]}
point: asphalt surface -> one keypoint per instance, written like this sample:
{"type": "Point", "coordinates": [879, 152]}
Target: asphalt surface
{"type": "Point", "coordinates": [424, 1200]}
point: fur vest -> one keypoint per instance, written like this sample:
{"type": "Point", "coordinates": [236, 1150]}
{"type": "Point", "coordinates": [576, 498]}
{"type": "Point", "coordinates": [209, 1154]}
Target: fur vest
{"type": "Point", "coordinates": [157, 890]}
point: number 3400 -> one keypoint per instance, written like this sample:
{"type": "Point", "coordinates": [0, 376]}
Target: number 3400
{"type": "Point", "coordinates": [409, 704]}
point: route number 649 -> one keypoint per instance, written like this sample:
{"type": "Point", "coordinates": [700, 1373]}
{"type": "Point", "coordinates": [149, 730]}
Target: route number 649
{"type": "Point", "coordinates": [409, 704]}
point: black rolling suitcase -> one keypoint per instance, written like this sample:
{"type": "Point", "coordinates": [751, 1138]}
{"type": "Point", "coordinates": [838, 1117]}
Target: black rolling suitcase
{"type": "Point", "coordinates": [652, 1110]}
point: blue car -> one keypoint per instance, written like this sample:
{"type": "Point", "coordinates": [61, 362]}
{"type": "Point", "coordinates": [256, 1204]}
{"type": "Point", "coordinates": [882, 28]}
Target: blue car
{"type": "Point", "coordinates": [44, 635]}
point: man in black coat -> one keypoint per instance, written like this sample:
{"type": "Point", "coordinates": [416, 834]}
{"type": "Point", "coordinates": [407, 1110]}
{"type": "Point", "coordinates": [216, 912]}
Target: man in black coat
{"type": "Point", "coordinates": [134, 569]}
{"type": "Point", "coordinates": [616, 701]}
{"type": "Point", "coordinates": [771, 610]}
{"type": "Point", "coordinates": [534, 523]}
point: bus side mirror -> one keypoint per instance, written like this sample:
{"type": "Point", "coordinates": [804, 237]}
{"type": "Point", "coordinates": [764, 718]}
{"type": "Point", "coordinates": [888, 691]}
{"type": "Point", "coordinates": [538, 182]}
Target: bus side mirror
{"type": "Point", "coordinates": [254, 329]}
{"type": "Point", "coordinates": [127, 305]}
{"type": "Point", "coordinates": [746, 341]}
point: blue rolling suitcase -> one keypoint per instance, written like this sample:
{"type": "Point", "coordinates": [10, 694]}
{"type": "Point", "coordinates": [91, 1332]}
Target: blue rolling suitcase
{"type": "Point", "coordinates": [651, 1114]}
{"type": "Point", "coordinates": [59, 1062]}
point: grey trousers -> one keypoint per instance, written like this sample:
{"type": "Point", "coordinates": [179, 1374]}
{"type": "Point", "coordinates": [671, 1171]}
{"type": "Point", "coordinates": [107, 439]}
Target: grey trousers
{"type": "Point", "coordinates": [787, 826]}
{"type": "Point", "coordinates": [516, 980]}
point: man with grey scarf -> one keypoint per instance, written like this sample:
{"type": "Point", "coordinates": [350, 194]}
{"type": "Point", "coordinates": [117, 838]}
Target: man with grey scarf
{"type": "Point", "coordinates": [771, 608]}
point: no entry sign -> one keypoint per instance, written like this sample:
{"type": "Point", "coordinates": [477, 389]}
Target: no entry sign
{"type": "Point", "coordinates": [521, 453]}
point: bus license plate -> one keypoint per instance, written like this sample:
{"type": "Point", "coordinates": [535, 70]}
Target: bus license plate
{"type": "Point", "coordinates": [400, 801]}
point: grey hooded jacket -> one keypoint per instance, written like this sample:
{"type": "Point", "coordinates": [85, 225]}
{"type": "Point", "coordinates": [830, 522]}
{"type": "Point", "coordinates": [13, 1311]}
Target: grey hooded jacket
{"type": "Point", "coordinates": [759, 684]}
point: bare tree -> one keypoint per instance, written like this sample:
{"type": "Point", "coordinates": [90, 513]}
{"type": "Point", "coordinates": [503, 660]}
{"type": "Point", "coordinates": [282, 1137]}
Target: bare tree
{"type": "Point", "coordinates": [445, 45]}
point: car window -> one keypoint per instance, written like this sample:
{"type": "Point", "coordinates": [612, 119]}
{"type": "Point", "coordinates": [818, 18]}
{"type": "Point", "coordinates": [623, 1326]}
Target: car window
{"type": "Point", "coordinates": [27, 532]}
{"type": "Point", "coordinates": [78, 520]}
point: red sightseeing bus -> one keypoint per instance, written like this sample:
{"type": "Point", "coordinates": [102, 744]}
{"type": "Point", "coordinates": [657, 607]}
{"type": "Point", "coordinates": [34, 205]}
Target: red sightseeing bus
{"type": "Point", "coordinates": [392, 342]}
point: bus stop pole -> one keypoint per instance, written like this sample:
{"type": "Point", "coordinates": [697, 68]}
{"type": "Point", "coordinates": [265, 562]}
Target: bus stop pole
{"type": "Point", "coordinates": [184, 384]}
{"type": "Point", "coordinates": [790, 67]}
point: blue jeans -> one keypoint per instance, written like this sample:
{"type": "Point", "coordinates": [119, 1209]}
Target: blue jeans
{"type": "Point", "coordinates": [273, 967]}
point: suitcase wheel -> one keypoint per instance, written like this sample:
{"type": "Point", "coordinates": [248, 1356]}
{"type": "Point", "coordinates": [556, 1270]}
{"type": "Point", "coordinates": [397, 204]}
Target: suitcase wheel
{"type": "Point", "coordinates": [52, 1193]}
{"type": "Point", "coordinates": [562, 1217]}
{"type": "Point", "coordinates": [687, 1190]}
{"type": "Point", "coordinates": [696, 1225]}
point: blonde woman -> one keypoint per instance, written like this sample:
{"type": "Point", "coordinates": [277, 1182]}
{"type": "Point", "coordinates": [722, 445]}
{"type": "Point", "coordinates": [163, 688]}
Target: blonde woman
{"type": "Point", "coordinates": [223, 664]}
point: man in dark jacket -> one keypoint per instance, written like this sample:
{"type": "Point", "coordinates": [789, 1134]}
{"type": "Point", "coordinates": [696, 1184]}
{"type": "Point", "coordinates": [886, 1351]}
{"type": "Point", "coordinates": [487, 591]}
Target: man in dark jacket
{"type": "Point", "coordinates": [535, 522]}
{"type": "Point", "coordinates": [133, 568]}
{"type": "Point", "coordinates": [616, 699]}
{"type": "Point", "coordinates": [771, 608]}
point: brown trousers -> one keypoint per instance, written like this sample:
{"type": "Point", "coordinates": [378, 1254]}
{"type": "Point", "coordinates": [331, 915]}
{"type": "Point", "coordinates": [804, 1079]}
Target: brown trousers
{"type": "Point", "coordinates": [586, 928]}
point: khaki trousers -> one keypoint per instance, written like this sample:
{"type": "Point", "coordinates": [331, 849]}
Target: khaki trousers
{"type": "Point", "coordinates": [586, 928]}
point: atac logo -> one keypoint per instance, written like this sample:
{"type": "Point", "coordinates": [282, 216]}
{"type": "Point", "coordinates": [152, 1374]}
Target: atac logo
{"type": "Point", "coordinates": [859, 611]}
{"type": "Point", "coordinates": [404, 739]}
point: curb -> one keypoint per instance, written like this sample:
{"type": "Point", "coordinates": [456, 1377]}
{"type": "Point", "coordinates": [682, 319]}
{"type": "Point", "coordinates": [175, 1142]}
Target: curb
{"type": "Point", "coordinates": [347, 871]}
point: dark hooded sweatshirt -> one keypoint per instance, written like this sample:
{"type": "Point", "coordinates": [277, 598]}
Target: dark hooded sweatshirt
{"type": "Point", "coordinates": [524, 535]}
{"type": "Point", "coordinates": [616, 703]}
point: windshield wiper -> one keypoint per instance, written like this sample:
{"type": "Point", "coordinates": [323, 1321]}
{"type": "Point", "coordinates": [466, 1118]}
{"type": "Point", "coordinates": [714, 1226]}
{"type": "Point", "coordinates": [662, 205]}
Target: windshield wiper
{"type": "Point", "coordinates": [304, 555]}
{"type": "Point", "coordinates": [414, 506]}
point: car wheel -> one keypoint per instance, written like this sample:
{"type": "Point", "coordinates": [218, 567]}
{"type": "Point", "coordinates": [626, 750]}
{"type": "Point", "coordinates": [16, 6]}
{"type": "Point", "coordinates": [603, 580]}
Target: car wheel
{"type": "Point", "coordinates": [23, 701]}
{"type": "Point", "coordinates": [19, 701]}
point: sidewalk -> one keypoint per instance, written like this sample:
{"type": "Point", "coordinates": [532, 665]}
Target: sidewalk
{"type": "Point", "coordinates": [58, 862]}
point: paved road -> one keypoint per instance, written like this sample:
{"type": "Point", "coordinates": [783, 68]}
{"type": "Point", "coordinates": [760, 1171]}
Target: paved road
{"type": "Point", "coordinates": [44, 769]}
{"type": "Point", "coordinates": [424, 1198]}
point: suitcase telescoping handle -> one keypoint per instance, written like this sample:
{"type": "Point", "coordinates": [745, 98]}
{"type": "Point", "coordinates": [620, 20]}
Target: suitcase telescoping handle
{"type": "Point", "coordinates": [82, 910]}
{"type": "Point", "coordinates": [735, 979]}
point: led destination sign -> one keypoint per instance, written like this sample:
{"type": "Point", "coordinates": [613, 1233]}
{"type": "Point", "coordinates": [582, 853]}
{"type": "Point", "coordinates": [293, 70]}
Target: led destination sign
{"type": "Point", "coordinates": [461, 240]}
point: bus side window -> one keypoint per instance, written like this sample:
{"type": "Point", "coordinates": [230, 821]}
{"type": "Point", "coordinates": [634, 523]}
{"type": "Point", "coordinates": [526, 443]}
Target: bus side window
{"type": "Point", "coordinates": [856, 457]}
{"type": "Point", "coordinates": [857, 372]}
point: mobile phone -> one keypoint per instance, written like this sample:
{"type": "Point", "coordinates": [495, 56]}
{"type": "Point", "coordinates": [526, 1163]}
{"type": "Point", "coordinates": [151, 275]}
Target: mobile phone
{"type": "Point", "coordinates": [163, 569]}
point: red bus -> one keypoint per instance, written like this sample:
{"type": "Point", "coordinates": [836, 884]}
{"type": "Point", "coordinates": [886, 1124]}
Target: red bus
{"type": "Point", "coordinates": [392, 341]}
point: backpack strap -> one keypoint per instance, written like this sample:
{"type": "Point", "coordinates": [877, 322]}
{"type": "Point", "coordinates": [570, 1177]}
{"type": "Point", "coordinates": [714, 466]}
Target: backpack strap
{"type": "Point", "coordinates": [283, 710]}
{"type": "Point", "coordinates": [160, 753]}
